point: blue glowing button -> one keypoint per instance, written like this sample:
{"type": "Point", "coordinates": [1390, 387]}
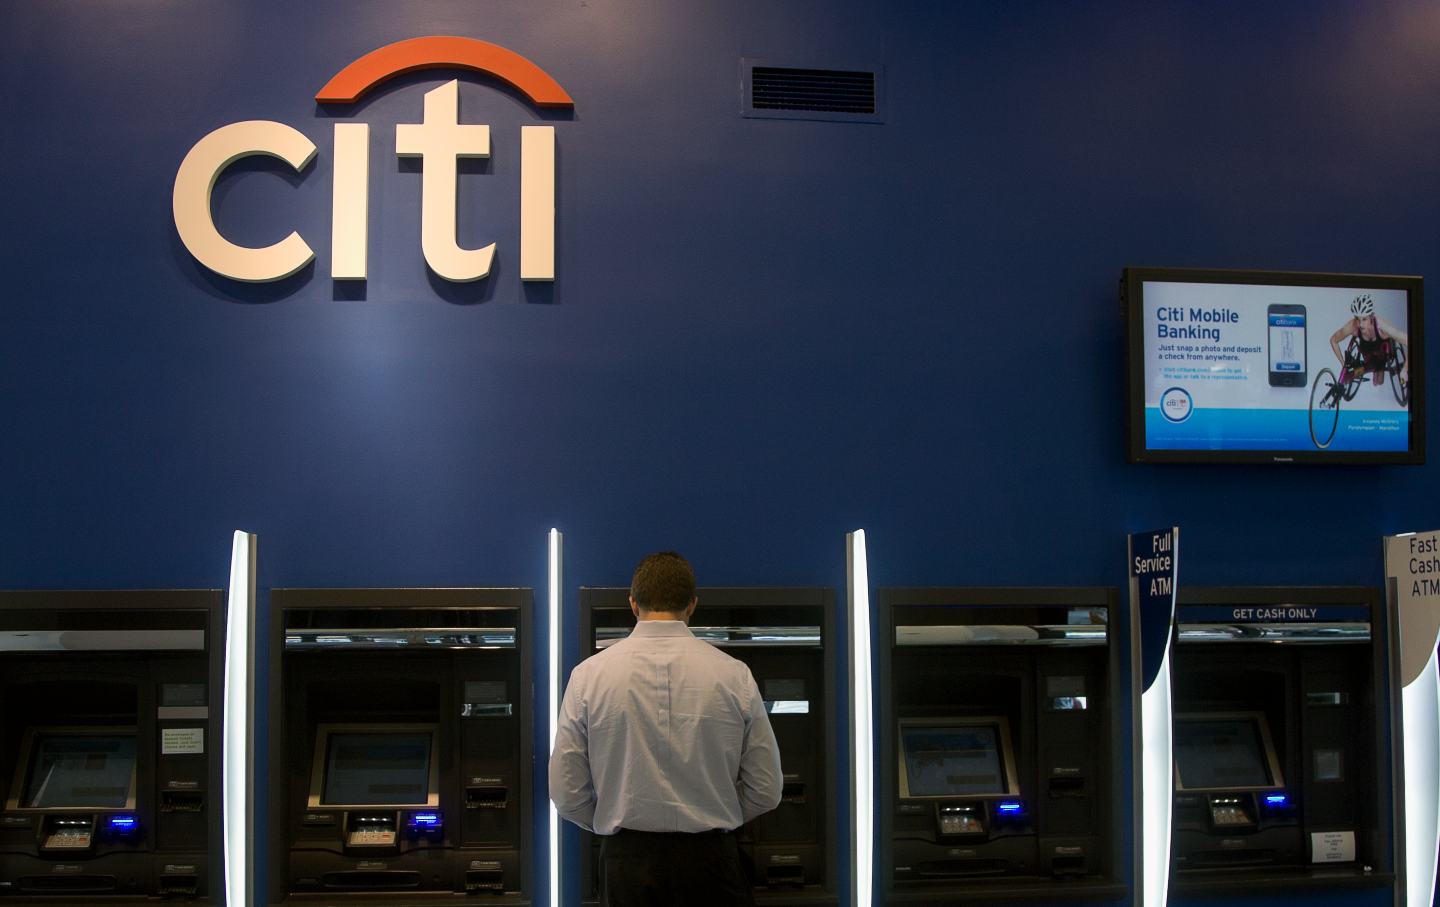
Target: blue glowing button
{"type": "Point", "coordinates": [1276, 800]}
{"type": "Point", "coordinates": [1009, 807]}
{"type": "Point", "coordinates": [123, 825]}
{"type": "Point", "coordinates": [427, 821]}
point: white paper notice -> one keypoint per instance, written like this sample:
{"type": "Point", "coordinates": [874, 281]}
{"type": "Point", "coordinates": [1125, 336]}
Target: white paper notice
{"type": "Point", "coordinates": [1332, 847]}
{"type": "Point", "coordinates": [180, 740]}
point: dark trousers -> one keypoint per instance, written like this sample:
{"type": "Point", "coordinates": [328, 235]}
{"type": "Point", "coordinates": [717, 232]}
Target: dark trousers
{"type": "Point", "coordinates": [652, 869]}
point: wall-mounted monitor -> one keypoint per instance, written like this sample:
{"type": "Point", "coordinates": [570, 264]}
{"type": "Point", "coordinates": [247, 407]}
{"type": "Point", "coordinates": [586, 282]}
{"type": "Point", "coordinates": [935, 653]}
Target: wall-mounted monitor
{"type": "Point", "coordinates": [1225, 751]}
{"type": "Point", "coordinates": [1274, 367]}
{"type": "Point", "coordinates": [85, 768]}
{"type": "Point", "coordinates": [956, 757]}
{"type": "Point", "coordinates": [380, 765]}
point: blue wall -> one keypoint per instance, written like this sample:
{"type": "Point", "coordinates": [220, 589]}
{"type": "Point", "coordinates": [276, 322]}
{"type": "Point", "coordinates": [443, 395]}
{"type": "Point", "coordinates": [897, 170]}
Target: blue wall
{"type": "Point", "coordinates": [764, 333]}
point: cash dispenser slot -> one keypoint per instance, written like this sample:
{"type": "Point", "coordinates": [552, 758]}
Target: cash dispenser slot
{"type": "Point", "coordinates": [87, 883]}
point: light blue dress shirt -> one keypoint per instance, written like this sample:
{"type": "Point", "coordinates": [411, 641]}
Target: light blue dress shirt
{"type": "Point", "coordinates": [663, 732]}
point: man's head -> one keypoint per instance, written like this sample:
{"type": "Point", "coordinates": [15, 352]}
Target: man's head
{"type": "Point", "coordinates": [663, 587]}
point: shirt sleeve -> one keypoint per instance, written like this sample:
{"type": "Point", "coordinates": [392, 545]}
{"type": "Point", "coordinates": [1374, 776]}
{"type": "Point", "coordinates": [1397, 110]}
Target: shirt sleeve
{"type": "Point", "coordinates": [571, 788]}
{"type": "Point", "coordinates": [760, 780]}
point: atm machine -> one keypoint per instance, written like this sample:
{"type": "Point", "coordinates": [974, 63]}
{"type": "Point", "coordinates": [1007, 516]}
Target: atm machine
{"type": "Point", "coordinates": [785, 636]}
{"type": "Point", "coordinates": [400, 746]}
{"type": "Point", "coordinates": [998, 778]}
{"type": "Point", "coordinates": [1281, 740]}
{"type": "Point", "coordinates": [109, 746]}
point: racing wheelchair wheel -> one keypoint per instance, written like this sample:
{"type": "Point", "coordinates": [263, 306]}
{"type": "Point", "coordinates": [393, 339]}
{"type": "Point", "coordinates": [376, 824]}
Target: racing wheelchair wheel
{"type": "Point", "coordinates": [1325, 396]}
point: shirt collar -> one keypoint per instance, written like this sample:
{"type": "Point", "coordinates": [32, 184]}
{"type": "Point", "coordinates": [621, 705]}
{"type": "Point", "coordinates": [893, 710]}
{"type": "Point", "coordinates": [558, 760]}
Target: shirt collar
{"type": "Point", "coordinates": [649, 628]}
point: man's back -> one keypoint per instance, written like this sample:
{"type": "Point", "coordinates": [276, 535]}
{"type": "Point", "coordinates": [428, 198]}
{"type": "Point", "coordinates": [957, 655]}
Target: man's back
{"type": "Point", "coordinates": [663, 748]}
{"type": "Point", "coordinates": [677, 738]}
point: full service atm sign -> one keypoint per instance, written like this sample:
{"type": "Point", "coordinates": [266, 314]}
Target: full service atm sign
{"type": "Point", "coordinates": [439, 141]}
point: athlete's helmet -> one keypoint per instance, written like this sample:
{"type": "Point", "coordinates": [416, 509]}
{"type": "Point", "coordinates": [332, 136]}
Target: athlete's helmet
{"type": "Point", "coordinates": [1362, 306]}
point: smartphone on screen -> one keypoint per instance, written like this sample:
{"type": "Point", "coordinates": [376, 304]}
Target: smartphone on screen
{"type": "Point", "coordinates": [1287, 345]}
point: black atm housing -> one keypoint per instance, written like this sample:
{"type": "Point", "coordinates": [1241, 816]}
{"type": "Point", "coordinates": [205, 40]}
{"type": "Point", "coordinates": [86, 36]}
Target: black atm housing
{"type": "Point", "coordinates": [1280, 711]}
{"type": "Point", "coordinates": [110, 746]}
{"type": "Point", "coordinates": [785, 636]}
{"type": "Point", "coordinates": [997, 780]}
{"type": "Point", "coordinates": [401, 746]}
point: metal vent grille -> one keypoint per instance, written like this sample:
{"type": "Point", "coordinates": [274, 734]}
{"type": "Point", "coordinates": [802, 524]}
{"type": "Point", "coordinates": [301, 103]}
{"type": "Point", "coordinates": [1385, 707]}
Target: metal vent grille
{"type": "Point", "coordinates": [786, 92]}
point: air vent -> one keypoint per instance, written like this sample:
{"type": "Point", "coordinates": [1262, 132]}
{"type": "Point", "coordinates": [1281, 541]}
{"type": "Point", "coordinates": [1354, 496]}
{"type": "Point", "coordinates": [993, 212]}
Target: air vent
{"type": "Point", "coordinates": [852, 94]}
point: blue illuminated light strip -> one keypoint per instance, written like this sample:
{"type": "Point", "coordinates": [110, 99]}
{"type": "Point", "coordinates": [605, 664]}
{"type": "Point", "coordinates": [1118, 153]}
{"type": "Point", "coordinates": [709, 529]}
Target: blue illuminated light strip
{"type": "Point", "coordinates": [557, 544]}
{"type": "Point", "coordinates": [426, 820]}
{"type": "Point", "coordinates": [122, 823]}
{"type": "Point", "coordinates": [1276, 799]}
{"type": "Point", "coordinates": [1009, 807]}
{"type": "Point", "coordinates": [862, 734]}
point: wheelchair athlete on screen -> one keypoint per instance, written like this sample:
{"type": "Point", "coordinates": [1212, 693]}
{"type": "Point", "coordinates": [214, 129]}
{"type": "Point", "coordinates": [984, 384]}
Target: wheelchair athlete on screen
{"type": "Point", "coordinates": [1375, 346]}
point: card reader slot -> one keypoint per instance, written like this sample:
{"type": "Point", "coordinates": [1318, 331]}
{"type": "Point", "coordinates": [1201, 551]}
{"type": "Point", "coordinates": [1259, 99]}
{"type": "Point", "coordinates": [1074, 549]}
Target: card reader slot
{"type": "Point", "coordinates": [792, 792]}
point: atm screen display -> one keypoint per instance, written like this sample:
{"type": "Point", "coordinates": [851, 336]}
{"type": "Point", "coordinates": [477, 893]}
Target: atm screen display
{"type": "Point", "coordinates": [377, 768]}
{"type": "Point", "coordinates": [952, 760]}
{"type": "Point", "coordinates": [1223, 752]}
{"type": "Point", "coordinates": [81, 770]}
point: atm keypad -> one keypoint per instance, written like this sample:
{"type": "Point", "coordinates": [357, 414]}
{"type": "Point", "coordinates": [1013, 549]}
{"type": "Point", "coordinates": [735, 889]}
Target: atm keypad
{"type": "Point", "coordinates": [961, 820]}
{"type": "Point", "coordinates": [68, 840]}
{"type": "Point", "coordinates": [371, 831]}
{"type": "Point", "coordinates": [1230, 812]}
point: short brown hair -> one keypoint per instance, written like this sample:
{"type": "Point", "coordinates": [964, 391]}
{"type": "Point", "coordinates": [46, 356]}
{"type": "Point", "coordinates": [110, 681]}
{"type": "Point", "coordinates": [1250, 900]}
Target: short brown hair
{"type": "Point", "coordinates": [663, 581]}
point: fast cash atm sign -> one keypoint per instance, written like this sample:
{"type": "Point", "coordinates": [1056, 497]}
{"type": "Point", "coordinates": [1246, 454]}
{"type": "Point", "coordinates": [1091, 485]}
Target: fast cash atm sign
{"type": "Point", "coordinates": [439, 141]}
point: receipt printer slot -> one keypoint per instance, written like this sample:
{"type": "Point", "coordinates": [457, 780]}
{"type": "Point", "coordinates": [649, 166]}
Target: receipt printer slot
{"type": "Point", "coordinates": [486, 797]}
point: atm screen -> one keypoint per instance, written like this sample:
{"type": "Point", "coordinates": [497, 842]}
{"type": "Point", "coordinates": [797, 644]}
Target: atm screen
{"type": "Point", "coordinates": [91, 771]}
{"type": "Point", "coordinates": [952, 760]}
{"type": "Point", "coordinates": [1223, 752]}
{"type": "Point", "coordinates": [375, 768]}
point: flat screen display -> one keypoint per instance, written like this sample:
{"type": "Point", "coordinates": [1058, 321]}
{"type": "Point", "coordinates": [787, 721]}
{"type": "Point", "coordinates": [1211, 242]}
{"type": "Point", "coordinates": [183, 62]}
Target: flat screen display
{"type": "Point", "coordinates": [80, 770]}
{"type": "Point", "coordinates": [375, 768]}
{"type": "Point", "coordinates": [1222, 753]}
{"type": "Point", "coordinates": [1274, 367]}
{"type": "Point", "coordinates": [952, 761]}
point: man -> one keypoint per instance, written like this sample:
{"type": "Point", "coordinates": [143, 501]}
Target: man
{"type": "Point", "coordinates": [664, 749]}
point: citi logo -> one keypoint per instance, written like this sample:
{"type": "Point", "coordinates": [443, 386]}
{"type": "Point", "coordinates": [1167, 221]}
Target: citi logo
{"type": "Point", "coordinates": [439, 141]}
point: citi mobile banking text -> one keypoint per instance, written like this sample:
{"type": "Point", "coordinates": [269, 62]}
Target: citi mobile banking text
{"type": "Point", "coordinates": [1192, 322]}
